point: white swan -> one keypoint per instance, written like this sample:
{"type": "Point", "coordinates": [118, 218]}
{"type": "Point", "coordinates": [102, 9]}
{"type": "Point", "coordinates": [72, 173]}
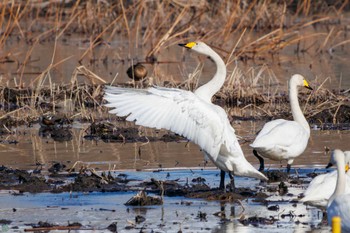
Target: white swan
{"type": "Point", "coordinates": [282, 139]}
{"type": "Point", "coordinates": [189, 114]}
{"type": "Point", "coordinates": [322, 187]}
{"type": "Point", "coordinates": [339, 202]}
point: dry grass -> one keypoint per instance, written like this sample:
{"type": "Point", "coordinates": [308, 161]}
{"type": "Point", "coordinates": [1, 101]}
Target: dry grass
{"type": "Point", "coordinates": [243, 31]}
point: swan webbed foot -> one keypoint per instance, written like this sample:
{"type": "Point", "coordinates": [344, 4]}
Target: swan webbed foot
{"type": "Point", "coordinates": [261, 160]}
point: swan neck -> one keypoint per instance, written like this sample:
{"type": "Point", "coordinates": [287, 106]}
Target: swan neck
{"type": "Point", "coordinates": [208, 90]}
{"type": "Point", "coordinates": [298, 115]}
{"type": "Point", "coordinates": [340, 186]}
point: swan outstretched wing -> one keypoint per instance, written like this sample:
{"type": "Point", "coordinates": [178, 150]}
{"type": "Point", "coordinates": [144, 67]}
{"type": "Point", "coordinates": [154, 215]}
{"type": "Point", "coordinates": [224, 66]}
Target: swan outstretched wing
{"type": "Point", "coordinates": [173, 109]}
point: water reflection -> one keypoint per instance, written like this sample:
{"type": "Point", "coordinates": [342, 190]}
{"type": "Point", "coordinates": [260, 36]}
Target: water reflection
{"type": "Point", "coordinates": [111, 61]}
{"type": "Point", "coordinates": [32, 148]}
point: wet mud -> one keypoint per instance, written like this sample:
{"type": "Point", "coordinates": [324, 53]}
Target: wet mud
{"type": "Point", "coordinates": [334, 113]}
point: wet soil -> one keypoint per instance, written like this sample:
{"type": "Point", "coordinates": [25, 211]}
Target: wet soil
{"type": "Point", "coordinates": [328, 110]}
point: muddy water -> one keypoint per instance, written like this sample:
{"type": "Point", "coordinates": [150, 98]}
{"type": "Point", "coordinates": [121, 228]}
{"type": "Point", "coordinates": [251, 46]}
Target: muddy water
{"type": "Point", "coordinates": [33, 148]}
{"type": "Point", "coordinates": [96, 211]}
{"type": "Point", "coordinates": [180, 161]}
{"type": "Point", "coordinates": [111, 59]}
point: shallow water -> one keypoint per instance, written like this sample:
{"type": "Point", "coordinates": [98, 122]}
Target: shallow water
{"type": "Point", "coordinates": [178, 161]}
{"type": "Point", "coordinates": [32, 148]}
{"type": "Point", "coordinates": [98, 210]}
{"type": "Point", "coordinates": [111, 59]}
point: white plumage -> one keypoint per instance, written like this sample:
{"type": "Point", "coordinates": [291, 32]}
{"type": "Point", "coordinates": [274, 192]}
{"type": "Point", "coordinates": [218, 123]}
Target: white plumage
{"type": "Point", "coordinates": [189, 114]}
{"type": "Point", "coordinates": [339, 202]}
{"type": "Point", "coordinates": [322, 187]}
{"type": "Point", "coordinates": [282, 139]}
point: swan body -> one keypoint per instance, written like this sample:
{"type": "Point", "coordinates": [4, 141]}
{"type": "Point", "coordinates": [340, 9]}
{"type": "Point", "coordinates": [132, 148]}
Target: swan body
{"type": "Point", "coordinates": [339, 202]}
{"type": "Point", "coordinates": [190, 114]}
{"type": "Point", "coordinates": [322, 187]}
{"type": "Point", "coordinates": [282, 139]}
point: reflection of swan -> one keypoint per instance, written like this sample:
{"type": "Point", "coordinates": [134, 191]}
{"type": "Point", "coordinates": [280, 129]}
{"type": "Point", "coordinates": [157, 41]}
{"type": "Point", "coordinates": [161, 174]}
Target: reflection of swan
{"type": "Point", "coordinates": [281, 139]}
{"type": "Point", "coordinates": [339, 202]}
{"type": "Point", "coordinates": [189, 114]}
{"type": "Point", "coordinates": [322, 186]}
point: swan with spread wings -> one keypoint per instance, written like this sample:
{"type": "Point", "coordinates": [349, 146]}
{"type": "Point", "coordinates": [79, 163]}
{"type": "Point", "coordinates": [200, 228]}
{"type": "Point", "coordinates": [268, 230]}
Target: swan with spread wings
{"type": "Point", "coordinates": [190, 114]}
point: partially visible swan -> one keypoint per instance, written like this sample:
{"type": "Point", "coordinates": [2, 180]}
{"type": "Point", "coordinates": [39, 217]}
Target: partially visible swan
{"type": "Point", "coordinates": [282, 139]}
{"type": "Point", "coordinates": [189, 114]}
{"type": "Point", "coordinates": [322, 186]}
{"type": "Point", "coordinates": [339, 202]}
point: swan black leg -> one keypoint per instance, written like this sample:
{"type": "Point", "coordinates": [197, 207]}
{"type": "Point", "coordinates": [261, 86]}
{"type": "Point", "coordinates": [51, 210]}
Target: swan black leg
{"type": "Point", "coordinates": [288, 168]}
{"type": "Point", "coordinates": [222, 180]}
{"type": "Point", "coordinates": [261, 160]}
{"type": "Point", "coordinates": [232, 182]}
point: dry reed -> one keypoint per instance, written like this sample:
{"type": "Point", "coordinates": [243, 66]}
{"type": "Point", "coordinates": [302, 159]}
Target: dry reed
{"type": "Point", "coordinates": [241, 30]}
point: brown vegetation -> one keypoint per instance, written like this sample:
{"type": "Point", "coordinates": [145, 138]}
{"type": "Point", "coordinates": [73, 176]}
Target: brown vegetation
{"type": "Point", "coordinates": [243, 31]}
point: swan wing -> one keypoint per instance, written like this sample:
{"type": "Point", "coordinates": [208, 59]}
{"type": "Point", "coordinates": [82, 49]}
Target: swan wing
{"type": "Point", "coordinates": [173, 109]}
{"type": "Point", "coordinates": [320, 189]}
{"type": "Point", "coordinates": [231, 157]}
{"type": "Point", "coordinates": [229, 144]}
{"type": "Point", "coordinates": [279, 133]}
{"type": "Point", "coordinates": [268, 127]}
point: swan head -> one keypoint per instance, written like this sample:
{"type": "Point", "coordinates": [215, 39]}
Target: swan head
{"type": "Point", "coordinates": [198, 46]}
{"type": "Point", "coordinates": [347, 160]}
{"type": "Point", "coordinates": [299, 80]}
{"type": "Point", "coordinates": [336, 156]}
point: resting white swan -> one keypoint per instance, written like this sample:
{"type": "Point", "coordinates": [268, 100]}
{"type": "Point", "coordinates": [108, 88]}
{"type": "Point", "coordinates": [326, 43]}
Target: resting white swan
{"type": "Point", "coordinates": [189, 114]}
{"type": "Point", "coordinates": [339, 202]}
{"type": "Point", "coordinates": [282, 139]}
{"type": "Point", "coordinates": [322, 186]}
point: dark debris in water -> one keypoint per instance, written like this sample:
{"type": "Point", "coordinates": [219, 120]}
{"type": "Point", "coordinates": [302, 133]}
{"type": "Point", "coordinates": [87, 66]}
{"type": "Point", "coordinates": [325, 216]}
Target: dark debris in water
{"type": "Point", "coordinates": [88, 180]}
{"type": "Point", "coordinates": [5, 222]}
{"type": "Point", "coordinates": [333, 118]}
{"type": "Point", "coordinates": [256, 221]}
{"type": "Point", "coordinates": [57, 167]}
{"type": "Point", "coordinates": [142, 199]}
{"type": "Point", "coordinates": [58, 128]}
{"type": "Point", "coordinates": [220, 195]}
{"type": "Point", "coordinates": [276, 175]}
{"type": "Point", "coordinates": [281, 188]}
{"type": "Point", "coordinates": [22, 180]}
{"type": "Point", "coordinates": [109, 132]}
{"type": "Point", "coordinates": [42, 226]}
